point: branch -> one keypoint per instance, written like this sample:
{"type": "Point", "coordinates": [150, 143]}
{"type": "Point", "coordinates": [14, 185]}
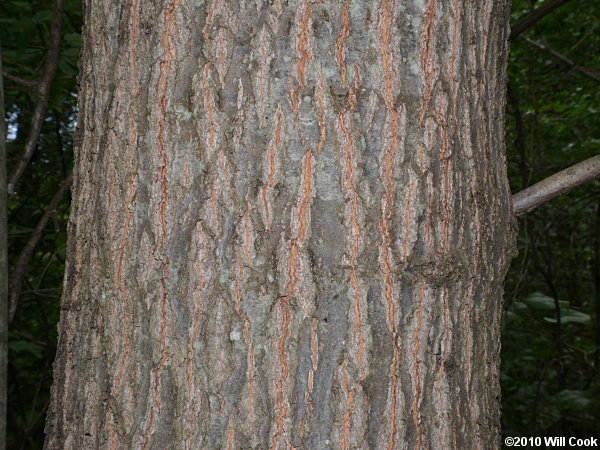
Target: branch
{"type": "Point", "coordinates": [21, 81]}
{"type": "Point", "coordinates": [590, 73]}
{"type": "Point", "coordinates": [18, 271]}
{"type": "Point", "coordinates": [534, 16]}
{"type": "Point", "coordinates": [555, 185]}
{"type": "Point", "coordinates": [43, 95]}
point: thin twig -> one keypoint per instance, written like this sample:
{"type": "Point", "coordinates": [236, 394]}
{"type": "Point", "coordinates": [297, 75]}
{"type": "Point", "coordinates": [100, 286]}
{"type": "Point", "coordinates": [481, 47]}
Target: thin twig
{"type": "Point", "coordinates": [18, 271]}
{"type": "Point", "coordinates": [21, 81]}
{"type": "Point", "coordinates": [535, 16]}
{"type": "Point", "coordinates": [555, 185]}
{"type": "Point", "coordinates": [590, 73]}
{"type": "Point", "coordinates": [44, 85]}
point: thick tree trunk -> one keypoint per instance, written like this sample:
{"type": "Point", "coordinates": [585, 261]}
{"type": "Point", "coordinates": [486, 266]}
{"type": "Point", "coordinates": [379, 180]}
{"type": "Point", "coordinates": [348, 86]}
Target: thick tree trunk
{"type": "Point", "coordinates": [291, 222]}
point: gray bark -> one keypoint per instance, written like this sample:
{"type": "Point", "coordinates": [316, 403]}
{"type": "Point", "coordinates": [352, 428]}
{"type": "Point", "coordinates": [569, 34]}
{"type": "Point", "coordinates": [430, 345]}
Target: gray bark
{"type": "Point", "coordinates": [290, 226]}
{"type": "Point", "coordinates": [556, 185]}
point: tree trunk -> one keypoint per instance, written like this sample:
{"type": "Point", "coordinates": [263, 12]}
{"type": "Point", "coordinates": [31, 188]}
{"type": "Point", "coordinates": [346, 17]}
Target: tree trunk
{"type": "Point", "coordinates": [290, 227]}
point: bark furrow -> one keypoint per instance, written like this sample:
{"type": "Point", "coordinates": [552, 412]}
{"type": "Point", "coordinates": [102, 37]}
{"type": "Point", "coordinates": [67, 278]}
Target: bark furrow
{"type": "Point", "coordinates": [288, 227]}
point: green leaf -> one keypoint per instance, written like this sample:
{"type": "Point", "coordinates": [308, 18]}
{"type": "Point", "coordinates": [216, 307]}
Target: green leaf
{"type": "Point", "coordinates": [572, 399]}
{"type": "Point", "coordinates": [73, 39]}
{"type": "Point", "coordinates": [67, 67]}
{"type": "Point", "coordinates": [14, 229]}
{"type": "Point", "coordinates": [21, 345]}
{"type": "Point", "coordinates": [520, 306]}
{"type": "Point", "coordinates": [42, 16]}
{"type": "Point", "coordinates": [71, 53]}
{"type": "Point", "coordinates": [570, 316]}
{"type": "Point", "coordinates": [539, 301]}
{"type": "Point", "coordinates": [510, 316]}
{"type": "Point", "coordinates": [20, 5]}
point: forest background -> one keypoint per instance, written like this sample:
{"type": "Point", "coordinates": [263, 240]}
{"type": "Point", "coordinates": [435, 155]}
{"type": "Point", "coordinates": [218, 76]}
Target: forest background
{"type": "Point", "coordinates": [551, 328]}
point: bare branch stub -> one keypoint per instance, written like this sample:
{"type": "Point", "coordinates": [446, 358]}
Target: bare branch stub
{"type": "Point", "coordinates": [556, 185]}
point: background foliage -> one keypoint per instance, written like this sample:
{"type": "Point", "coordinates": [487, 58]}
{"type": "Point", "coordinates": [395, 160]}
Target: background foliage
{"type": "Point", "coordinates": [551, 335]}
{"type": "Point", "coordinates": [551, 331]}
{"type": "Point", "coordinates": [24, 29]}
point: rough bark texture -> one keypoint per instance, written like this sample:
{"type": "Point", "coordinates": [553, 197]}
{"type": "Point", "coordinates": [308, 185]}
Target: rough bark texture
{"type": "Point", "coordinates": [291, 222]}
